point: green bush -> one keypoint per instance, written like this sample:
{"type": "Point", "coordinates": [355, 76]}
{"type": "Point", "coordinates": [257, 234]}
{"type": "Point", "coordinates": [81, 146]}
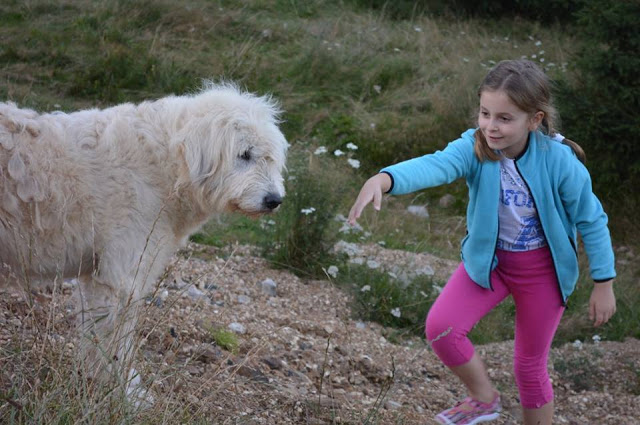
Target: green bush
{"type": "Point", "coordinates": [378, 297]}
{"type": "Point", "coordinates": [544, 10]}
{"type": "Point", "coordinates": [600, 106]}
{"type": "Point", "coordinates": [302, 234]}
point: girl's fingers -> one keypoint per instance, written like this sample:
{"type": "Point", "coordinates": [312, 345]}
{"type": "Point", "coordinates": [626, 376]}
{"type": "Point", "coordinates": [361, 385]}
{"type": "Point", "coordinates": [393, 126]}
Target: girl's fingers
{"type": "Point", "coordinates": [357, 208]}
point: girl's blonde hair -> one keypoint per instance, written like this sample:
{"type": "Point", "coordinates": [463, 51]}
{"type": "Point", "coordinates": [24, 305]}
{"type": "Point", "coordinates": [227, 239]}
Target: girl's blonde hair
{"type": "Point", "coordinates": [528, 87]}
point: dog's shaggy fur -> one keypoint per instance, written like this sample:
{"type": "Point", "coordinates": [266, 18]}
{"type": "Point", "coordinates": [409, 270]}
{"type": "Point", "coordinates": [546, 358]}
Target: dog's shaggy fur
{"type": "Point", "coordinates": [107, 196]}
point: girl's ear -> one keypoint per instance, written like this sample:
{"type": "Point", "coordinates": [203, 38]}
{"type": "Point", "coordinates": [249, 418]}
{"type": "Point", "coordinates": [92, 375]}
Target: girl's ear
{"type": "Point", "coordinates": [536, 120]}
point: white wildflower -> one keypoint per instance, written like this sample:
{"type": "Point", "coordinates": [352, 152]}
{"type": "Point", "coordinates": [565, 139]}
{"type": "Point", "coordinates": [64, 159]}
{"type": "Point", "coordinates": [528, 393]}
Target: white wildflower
{"type": "Point", "coordinates": [577, 344]}
{"type": "Point", "coordinates": [307, 211]}
{"type": "Point", "coordinates": [320, 150]}
{"type": "Point", "coordinates": [396, 312]}
{"type": "Point", "coordinates": [377, 88]}
{"type": "Point", "coordinates": [365, 288]}
{"type": "Point", "coordinates": [417, 29]}
{"type": "Point", "coordinates": [354, 163]}
{"type": "Point", "coordinates": [338, 152]}
{"type": "Point", "coordinates": [538, 43]}
{"type": "Point", "coordinates": [352, 146]}
{"type": "Point", "coordinates": [596, 339]}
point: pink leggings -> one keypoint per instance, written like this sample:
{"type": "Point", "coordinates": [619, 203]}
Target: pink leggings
{"type": "Point", "coordinates": [530, 278]}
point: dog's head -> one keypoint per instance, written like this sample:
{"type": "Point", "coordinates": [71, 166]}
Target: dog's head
{"type": "Point", "coordinates": [234, 151]}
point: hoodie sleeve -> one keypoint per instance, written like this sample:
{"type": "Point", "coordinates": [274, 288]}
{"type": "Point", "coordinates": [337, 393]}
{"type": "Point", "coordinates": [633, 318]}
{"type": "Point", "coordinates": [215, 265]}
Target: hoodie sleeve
{"type": "Point", "coordinates": [441, 167]}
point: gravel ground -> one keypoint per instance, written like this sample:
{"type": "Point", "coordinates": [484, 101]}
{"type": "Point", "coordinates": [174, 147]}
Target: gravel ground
{"type": "Point", "coordinates": [302, 358]}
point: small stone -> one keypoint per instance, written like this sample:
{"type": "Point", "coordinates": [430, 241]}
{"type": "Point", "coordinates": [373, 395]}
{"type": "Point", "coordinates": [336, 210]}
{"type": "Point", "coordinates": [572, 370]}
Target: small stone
{"type": "Point", "coordinates": [194, 293]}
{"type": "Point", "coordinates": [446, 201]}
{"type": "Point", "coordinates": [392, 405]}
{"type": "Point", "coordinates": [273, 362]}
{"type": "Point", "coordinates": [243, 299]}
{"type": "Point", "coordinates": [269, 287]}
{"type": "Point", "coordinates": [237, 328]}
{"type": "Point", "coordinates": [419, 210]}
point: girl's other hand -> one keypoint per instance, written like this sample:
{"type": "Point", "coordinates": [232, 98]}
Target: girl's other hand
{"type": "Point", "coordinates": [372, 190]}
{"type": "Point", "coordinates": [602, 304]}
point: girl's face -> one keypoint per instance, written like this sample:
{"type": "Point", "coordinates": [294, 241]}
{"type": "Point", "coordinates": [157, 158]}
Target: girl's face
{"type": "Point", "coordinates": [505, 126]}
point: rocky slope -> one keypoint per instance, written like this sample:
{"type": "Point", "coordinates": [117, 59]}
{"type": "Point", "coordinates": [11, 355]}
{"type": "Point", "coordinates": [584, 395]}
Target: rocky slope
{"type": "Point", "coordinates": [302, 358]}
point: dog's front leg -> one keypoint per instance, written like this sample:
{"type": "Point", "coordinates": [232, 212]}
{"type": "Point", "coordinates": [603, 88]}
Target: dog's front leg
{"type": "Point", "coordinates": [107, 319]}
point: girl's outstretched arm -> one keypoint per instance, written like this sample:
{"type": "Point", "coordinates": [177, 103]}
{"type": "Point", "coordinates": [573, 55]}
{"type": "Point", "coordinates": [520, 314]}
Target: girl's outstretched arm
{"type": "Point", "coordinates": [372, 190]}
{"type": "Point", "coordinates": [602, 303]}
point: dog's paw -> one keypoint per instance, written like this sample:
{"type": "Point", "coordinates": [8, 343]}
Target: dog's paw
{"type": "Point", "coordinates": [137, 394]}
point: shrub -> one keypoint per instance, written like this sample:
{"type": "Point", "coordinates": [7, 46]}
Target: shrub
{"type": "Point", "coordinates": [544, 10]}
{"type": "Point", "coordinates": [302, 237]}
{"type": "Point", "coordinates": [380, 298]}
{"type": "Point", "coordinates": [600, 107]}
{"type": "Point", "coordinates": [225, 339]}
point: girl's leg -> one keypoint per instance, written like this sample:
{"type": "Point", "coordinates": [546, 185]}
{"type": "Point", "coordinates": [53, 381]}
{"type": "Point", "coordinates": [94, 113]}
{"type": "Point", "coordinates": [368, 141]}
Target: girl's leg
{"type": "Point", "coordinates": [459, 307]}
{"type": "Point", "coordinates": [475, 378]}
{"type": "Point", "coordinates": [539, 309]}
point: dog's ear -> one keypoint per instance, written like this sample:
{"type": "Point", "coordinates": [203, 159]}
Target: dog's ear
{"type": "Point", "coordinates": [207, 147]}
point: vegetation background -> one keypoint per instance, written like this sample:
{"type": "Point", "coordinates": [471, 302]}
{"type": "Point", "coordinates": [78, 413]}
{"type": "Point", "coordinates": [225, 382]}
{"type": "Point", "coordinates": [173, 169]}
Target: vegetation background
{"type": "Point", "coordinates": [369, 83]}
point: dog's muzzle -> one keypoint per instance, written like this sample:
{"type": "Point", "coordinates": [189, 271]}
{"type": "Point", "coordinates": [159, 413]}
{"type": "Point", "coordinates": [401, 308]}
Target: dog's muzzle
{"type": "Point", "coordinates": [271, 201]}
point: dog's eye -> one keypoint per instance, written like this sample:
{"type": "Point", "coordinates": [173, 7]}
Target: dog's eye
{"type": "Point", "coordinates": [246, 155]}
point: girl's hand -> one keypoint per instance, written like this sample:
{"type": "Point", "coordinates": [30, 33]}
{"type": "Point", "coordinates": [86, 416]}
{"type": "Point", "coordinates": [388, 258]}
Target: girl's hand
{"type": "Point", "coordinates": [372, 190]}
{"type": "Point", "coordinates": [602, 303]}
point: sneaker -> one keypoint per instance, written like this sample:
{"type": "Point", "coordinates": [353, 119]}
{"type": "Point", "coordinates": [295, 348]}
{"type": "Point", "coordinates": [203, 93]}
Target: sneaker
{"type": "Point", "coordinates": [470, 411]}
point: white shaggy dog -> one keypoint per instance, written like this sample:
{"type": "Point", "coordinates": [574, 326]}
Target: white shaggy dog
{"type": "Point", "coordinates": [109, 195]}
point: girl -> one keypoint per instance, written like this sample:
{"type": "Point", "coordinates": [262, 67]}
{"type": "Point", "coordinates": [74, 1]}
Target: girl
{"type": "Point", "coordinates": [528, 194]}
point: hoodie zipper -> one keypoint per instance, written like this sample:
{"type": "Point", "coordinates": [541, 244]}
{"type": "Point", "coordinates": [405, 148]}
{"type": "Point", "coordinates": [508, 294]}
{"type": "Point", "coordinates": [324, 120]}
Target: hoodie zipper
{"type": "Point", "coordinates": [495, 247]}
{"type": "Point", "coordinates": [555, 269]}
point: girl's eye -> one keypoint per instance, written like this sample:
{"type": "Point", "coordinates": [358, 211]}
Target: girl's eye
{"type": "Point", "coordinates": [246, 155]}
{"type": "Point", "coordinates": [484, 114]}
{"type": "Point", "coordinates": [506, 119]}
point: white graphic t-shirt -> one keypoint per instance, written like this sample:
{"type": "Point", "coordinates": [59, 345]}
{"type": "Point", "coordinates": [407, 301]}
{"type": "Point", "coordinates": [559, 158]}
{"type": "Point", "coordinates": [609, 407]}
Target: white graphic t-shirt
{"type": "Point", "coordinates": [520, 228]}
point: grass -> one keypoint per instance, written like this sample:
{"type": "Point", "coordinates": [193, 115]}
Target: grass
{"type": "Point", "coordinates": [225, 339]}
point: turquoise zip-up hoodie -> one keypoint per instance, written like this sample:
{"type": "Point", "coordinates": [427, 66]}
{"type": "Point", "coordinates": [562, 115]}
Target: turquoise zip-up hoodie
{"type": "Point", "coordinates": [561, 189]}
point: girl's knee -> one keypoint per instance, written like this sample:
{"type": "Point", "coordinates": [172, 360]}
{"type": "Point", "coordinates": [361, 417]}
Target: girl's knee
{"type": "Point", "coordinates": [436, 327]}
{"type": "Point", "coordinates": [533, 383]}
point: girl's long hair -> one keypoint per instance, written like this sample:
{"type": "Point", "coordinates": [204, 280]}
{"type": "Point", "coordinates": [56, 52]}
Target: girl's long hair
{"type": "Point", "coordinates": [528, 87]}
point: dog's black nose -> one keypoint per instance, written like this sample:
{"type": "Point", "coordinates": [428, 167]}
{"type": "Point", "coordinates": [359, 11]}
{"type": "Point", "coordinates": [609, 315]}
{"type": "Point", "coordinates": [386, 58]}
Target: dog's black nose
{"type": "Point", "coordinates": [271, 201]}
